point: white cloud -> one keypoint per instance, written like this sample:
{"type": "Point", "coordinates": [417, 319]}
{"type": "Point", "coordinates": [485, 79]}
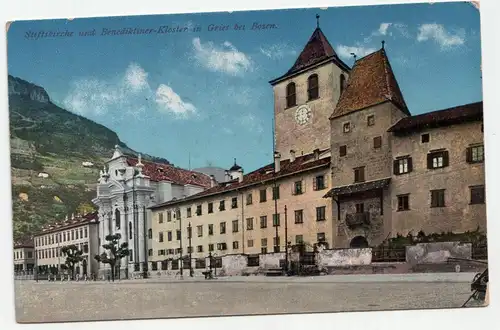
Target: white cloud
{"type": "Point", "coordinates": [360, 51]}
{"type": "Point", "coordinates": [277, 51]}
{"type": "Point", "coordinates": [169, 101]}
{"type": "Point", "coordinates": [129, 94]}
{"type": "Point", "coordinates": [382, 30]}
{"type": "Point", "coordinates": [388, 29]}
{"type": "Point", "coordinates": [136, 77]}
{"type": "Point", "coordinates": [226, 59]}
{"type": "Point", "coordinates": [440, 35]}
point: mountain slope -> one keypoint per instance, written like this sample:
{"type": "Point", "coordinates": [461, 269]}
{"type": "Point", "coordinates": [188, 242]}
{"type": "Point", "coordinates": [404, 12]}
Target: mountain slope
{"type": "Point", "coordinates": [48, 148]}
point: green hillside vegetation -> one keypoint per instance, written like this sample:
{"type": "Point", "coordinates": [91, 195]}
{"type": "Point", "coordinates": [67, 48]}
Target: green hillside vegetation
{"type": "Point", "coordinates": [47, 138]}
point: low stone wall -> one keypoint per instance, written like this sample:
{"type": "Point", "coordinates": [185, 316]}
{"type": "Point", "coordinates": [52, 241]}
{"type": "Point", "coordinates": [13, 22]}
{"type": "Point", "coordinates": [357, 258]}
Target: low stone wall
{"type": "Point", "coordinates": [433, 253]}
{"type": "Point", "coordinates": [344, 257]}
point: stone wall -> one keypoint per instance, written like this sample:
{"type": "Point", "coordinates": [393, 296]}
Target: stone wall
{"type": "Point", "coordinates": [432, 253]}
{"type": "Point", "coordinates": [344, 257]}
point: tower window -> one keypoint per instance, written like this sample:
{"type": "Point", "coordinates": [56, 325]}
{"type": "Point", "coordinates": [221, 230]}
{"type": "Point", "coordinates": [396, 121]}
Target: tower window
{"type": "Point", "coordinates": [291, 97]}
{"type": "Point", "coordinates": [313, 87]}
{"type": "Point", "coordinates": [342, 83]}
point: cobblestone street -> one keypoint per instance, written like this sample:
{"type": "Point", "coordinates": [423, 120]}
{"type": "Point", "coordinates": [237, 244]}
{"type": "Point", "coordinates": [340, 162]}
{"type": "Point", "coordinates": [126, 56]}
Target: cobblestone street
{"type": "Point", "coordinates": [58, 302]}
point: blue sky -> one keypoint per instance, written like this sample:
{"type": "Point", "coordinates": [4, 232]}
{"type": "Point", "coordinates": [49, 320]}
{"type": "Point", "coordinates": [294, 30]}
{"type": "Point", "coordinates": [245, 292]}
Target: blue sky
{"type": "Point", "coordinates": [205, 95]}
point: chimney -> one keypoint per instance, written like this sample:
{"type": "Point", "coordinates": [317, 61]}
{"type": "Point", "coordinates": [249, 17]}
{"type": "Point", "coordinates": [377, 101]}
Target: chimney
{"type": "Point", "coordinates": [213, 182]}
{"type": "Point", "coordinates": [227, 176]}
{"type": "Point", "coordinates": [240, 175]}
{"type": "Point", "coordinates": [277, 162]}
{"type": "Point", "coordinates": [316, 154]}
{"type": "Point", "coordinates": [292, 155]}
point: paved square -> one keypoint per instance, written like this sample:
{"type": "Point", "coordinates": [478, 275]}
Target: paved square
{"type": "Point", "coordinates": [93, 301]}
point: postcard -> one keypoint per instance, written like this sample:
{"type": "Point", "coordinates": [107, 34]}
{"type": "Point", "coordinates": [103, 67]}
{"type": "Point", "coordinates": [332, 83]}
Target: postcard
{"type": "Point", "coordinates": [248, 163]}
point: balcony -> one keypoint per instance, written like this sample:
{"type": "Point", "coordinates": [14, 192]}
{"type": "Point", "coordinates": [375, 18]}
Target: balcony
{"type": "Point", "coordinates": [357, 219]}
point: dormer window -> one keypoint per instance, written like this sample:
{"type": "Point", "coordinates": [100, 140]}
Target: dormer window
{"type": "Point", "coordinates": [291, 97]}
{"type": "Point", "coordinates": [312, 87]}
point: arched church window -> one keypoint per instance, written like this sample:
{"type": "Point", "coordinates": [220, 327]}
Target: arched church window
{"type": "Point", "coordinates": [312, 87]}
{"type": "Point", "coordinates": [342, 83]}
{"type": "Point", "coordinates": [291, 98]}
{"type": "Point", "coordinates": [130, 230]}
{"type": "Point", "coordinates": [117, 218]}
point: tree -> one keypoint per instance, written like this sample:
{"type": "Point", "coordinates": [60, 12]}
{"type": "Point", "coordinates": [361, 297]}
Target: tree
{"type": "Point", "coordinates": [116, 252]}
{"type": "Point", "coordinates": [73, 257]}
{"type": "Point", "coordinates": [85, 208]}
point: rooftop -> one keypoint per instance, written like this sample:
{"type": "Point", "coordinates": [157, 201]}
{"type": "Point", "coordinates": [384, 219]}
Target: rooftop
{"type": "Point", "coordinates": [167, 172]}
{"type": "Point", "coordinates": [439, 118]}
{"type": "Point", "coordinates": [74, 221]}
{"type": "Point", "coordinates": [259, 176]}
{"type": "Point", "coordinates": [26, 242]}
{"type": "Point", "coordinates": [370, 82]}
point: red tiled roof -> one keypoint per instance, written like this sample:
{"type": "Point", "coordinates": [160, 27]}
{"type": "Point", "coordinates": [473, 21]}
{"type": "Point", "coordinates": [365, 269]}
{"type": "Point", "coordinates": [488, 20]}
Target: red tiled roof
{"type": "Point", "coordinates": [455, 115]}
{"type": "Point", "coordinates": [26, 242]}
{"type": "Point", "coordinates": [70, 223]}
{"type": "Point", "coordinates": [263, 174]}
{"type": "Point", "coordinates": [316, 50]}
{"type": "Point", "coordinates": [166, 172]}
{"type": "Point", "coordinates": [370, 82]}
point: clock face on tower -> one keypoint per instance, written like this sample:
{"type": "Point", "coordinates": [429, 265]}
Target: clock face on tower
{"type": "Point", "coordinates": [303, 115]}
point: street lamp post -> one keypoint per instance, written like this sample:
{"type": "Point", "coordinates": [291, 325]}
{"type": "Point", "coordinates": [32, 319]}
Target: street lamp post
{"type": "Point", "coordinates": [286, 242]}
{"type": "Point", "coordinates": [178, 215]}
{"type": "Point", "coordinates": [190, 234]}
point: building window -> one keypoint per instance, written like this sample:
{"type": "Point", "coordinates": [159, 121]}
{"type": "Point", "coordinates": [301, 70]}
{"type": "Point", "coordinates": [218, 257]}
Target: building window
{"type": "Point", "coordinates": [236, 245]}
{"type": "Point", "coordinates": [359, 174]}
{"type": "Point", "coordinates": [403, 202]}
{"type": "Point", "coordinates": [199, 248]}
{"type": "Point", "coordinates": [72, 235]}
{"type": "Point", "coordinates": [199, 230]}
{"type": "Point", "coordinates": [342, 83]}
{"type": "Point", "coordinates": [210, 247]}
{"type": "Point", "coordinates": [297, 188]}
{"type": "Point", "coordinates": [130, 255]}
{"type": "Point", "coordinates": [85, 232]}
{"type": "Point", "coordinates": [263, 195]}
{"type": "Point", "coordinates": [370, 120]}
{"type": "Point", "coordinates": [76, 234]}
{"type": "Point", "coordinates": [160, 238]}
{"type": "Point", "coordinates": [222, 227]}
{"type": "Point", "coordinates": [249, 199]}
{"type": "Point", "coordinates": [403, 165]}
{"type": "Point", "coordinates": [169, 216]}
{"type": "Point", "coordinates": [299, 239]}
{"type": "Point", "coordinates": [210, 229]}
{"type": "Point", "coordinates": [437, 159]}
{"type": "Point", "coordinates": [321, 237]}
{"type": "Point", "coordinates": [263, 242]}
{"type": "Point", "coordinates": [210, 207]}
{"type": "Point", "coordinates": [276, 241]}
{"type": "Point", "coordinates": [234, 202]}
{"type": "Point", "coordinates": [276, 220]}
{"type": "Point", "coordinates": [360, 208]}
{"type": "Point", "coordinates": [437, 198]}
{"type": "Point", "coordinates": [190, 249]}
{"type": "Point", "coordinates": [263, 221]}
{"type": "Point", "coordinates": [276, 192]}
{"type": "Point", "coordinates": [346, 127]}
{"type": "Point", "coordinates": [425, 138]}
{"type": "Point", "coordinates": [263, 250]}
{"type": "Point", "coordinates": [342, 151]}
{"type": "Point", "coordinates": [221, 246]}
{"type": "Point", "coordinates": [222, 206]}
{"type": "Point", "coordinates": [178, 234]}
{"type": "Point", "coordinates": [130, 230]}
{"type": "Point", "coordinates": [477, 195]}
{"type": "Point", "coordinates": [188, 212]}
{"type": "Point", "coordinates": [198, 210]}
{"type": "Point", "coordinates": [291, 97]}
{"type": "Point", "coordinates": [319, 183]}
{"type": "Point", "coordinates": [117, 219]}
{"type": "Point", "coordinates": [150, 233]}
{"type": "Point", "coordinates": [377, 142]}
{"type": "Point", "coordinates": [169, 236]}
{"type": "Point", "coordinates": [312, 87]}
{"type": "Point", "coordinates": [250, 243]}
{"type": "Point", "coordinates": [235, 226]}
{"type": "Point", "coordinates": [475, 154]}
{"type": "Point", "coordinates": [249, 223]}
{"type": "Point", "coordinates": [321, 213]}
{"type": "Point", "coordinates": [299, 216]}
{"type": "Point", "coordinates": [150, 252]}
